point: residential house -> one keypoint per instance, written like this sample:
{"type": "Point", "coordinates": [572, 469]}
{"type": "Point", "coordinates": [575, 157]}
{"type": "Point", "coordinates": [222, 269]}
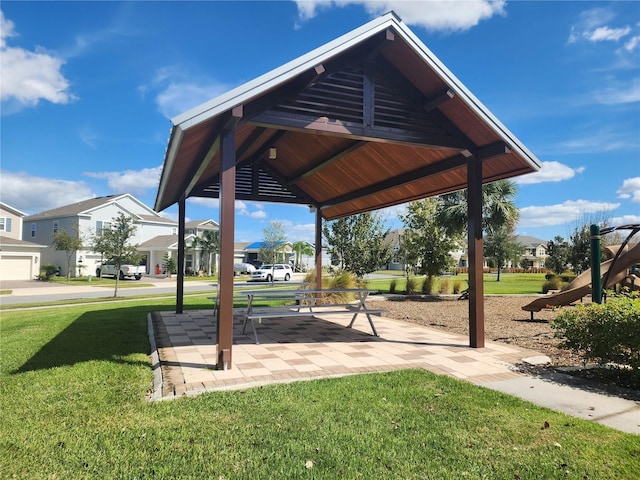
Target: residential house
{"type": "Point", "coordinates": [535, 255]}
{"type": "Point", "coordinates": [157, 247]}
{"type": "Point", "coordinates": [252, 252]}
{"type": "Point", "coordinates": [19, 259]}
{"type": "Point", "coordinates": [90, 217]}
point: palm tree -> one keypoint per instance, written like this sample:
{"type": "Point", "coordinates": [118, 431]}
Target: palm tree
{"type": "Point", "coordinates": [498, 208]}
{"type": "Point", "coordinates": [301, 248]}
{"type": "Point", "coordinates": [209, 245]}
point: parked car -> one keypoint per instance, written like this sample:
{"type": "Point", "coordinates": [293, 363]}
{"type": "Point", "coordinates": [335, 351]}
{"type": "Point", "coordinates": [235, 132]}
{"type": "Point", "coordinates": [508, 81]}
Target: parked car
{"type": "Point", "coordinates": [267, 273]}
{"type": "Point", "coordinates": [243, 268]}
{"type": "Point", "coordinates": [107, 268]}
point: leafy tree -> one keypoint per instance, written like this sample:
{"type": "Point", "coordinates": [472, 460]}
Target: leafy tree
{"type": "Point", "coordinates": [69, 243]}
{"type": "Point", "coordinates": [557, 254]}
{"type": "Point", "coordinates": [209, 245]}
{"type": "Point", "coordinates": [580, 242]}
{"type": "Point", "coordinates": [502, 246]}
{"type": "Point", "coordinates": [301, 248]}
{"type": "Point", "coordinates": [358, 243]}
{"type": "Point", "coordinates": [498, 208]}
{"type": "Point", "coordinates": [113, 243]}
{"type": "Point", "coordinates": [169, 264]}
{"type": "Point", "coordinates": [580, 249]}
{"type": "Point", "coordinates": [425, 243]}
{"type": "Point", "coordinates": [273, 244]}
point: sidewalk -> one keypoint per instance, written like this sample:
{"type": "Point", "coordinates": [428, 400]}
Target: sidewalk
{"type": "Point", "coordinates": [184, 356]}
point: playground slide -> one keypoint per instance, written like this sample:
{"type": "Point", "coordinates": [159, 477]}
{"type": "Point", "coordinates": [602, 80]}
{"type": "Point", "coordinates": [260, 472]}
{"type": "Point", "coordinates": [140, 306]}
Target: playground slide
{"type": "Point", "coordinates": [581, 285]}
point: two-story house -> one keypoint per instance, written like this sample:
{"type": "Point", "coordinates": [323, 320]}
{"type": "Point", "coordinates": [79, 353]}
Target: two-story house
{"type": "Point", "coordinates": [19, 259]}
{"type": "Point", "coordinates": [154, 234]}
{"type": "Point", "coordinates": [535, 255]}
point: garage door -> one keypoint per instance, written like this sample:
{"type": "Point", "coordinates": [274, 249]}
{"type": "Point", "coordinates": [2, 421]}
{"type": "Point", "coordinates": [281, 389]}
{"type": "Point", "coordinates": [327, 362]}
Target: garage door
{"type": "Point", "coordinates": [15, 268]}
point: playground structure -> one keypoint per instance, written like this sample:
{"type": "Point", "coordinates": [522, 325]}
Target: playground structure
{"type": "Point", "coordinates": [613, 271]}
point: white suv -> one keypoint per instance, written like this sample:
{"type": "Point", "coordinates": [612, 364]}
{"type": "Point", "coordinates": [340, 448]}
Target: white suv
{"type": "Point", "coordinates": [267, 273]}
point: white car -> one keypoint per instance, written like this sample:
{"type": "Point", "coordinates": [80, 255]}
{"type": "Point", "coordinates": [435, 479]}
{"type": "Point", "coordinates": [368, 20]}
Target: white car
{"type": "Point", "coordinates": [243, 268]}
{"type": "Point", "coordinates": [277, 271]}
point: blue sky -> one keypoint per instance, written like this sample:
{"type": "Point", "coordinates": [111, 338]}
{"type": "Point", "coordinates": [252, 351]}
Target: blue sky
{"type": "Point", "coordinates": [88, 90]}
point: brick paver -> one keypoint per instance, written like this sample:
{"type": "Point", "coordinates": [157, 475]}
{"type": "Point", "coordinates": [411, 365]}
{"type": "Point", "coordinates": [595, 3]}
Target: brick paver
{"type": "Point", "coordinates": [301, 348]}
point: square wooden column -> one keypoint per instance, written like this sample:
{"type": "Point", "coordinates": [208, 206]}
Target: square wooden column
{"type": "Point", "coordinates": [476, 252]}
{"type": "Point", "coordinates": [318, 258]}
{"type": "Point", "coordinates": [227, 230]}
{"type": "Point", "coordinates": [181, 248]}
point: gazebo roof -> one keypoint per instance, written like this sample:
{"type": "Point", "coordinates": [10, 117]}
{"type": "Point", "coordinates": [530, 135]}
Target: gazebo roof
{"type": "Point", "coordinates": [369, 120]}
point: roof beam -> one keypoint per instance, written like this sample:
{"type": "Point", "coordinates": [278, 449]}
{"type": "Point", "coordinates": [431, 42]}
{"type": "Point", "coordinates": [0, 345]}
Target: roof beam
{"type": "Point", "coordinates": [450, 163]}
{"type": "Point", "coordinates": [493, 150]}
{"type": "Point", "coordinates": [323, 126]}
{"type": "Point", "coordinates": [198, 168]}
{"type": "Point", "coordinates": [438, 100]}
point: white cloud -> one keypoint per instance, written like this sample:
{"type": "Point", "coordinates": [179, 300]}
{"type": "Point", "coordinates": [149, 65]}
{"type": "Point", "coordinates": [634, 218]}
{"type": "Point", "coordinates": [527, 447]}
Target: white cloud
{"type": "Point", "coordinates": [33, 194]}
{"type": "Point", "coordinates": [443, 15]}
{"type": "Point", "coordinates": [29, 76]}
{"type": "Point", "coordinates": [299, 232]}
{"type": "Point", "coordinates": [633, 43]}
{"type": "Point", "coordinates": [605, 140]}
{"type": "Point", "coordinates": [549, 172]}
{"type": "Point", "coordinates": [624, 220]}
{"type": "Point", "coordinates": [6, 30]}
{"type": "Point", "coordinates": [205, 202]}
{"type": "Point", "coordinates": [630, 189]}
{"type": "Point", "coordinates": [178, 90]}
{"type": "Point", "coordinates": [135, 182]}
{"type": "Point", "coordinates": [606, 33]}
{"type": "Point", "coordinates": [562, 213]}
{"type": "Point", "coordinates": [618, 92]}
{"type": "Point", "coordinates": [592, 26]}
{"type": "Point", "coordinates": [258, 212]}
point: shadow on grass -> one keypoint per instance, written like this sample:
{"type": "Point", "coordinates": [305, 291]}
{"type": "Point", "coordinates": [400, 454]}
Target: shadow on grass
{"type": "Point", "coordinates": [110, 334]}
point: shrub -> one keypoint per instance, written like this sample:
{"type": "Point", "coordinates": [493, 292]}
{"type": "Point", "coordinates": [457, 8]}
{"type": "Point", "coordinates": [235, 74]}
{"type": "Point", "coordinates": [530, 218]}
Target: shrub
{"type": "Point", "coordinates": [457, 286]}
{"type": "Point", "coordinates": [342, 279]}
{"type": "Point", "coordinates": [412, 286]}
{"type": "Point", "coordinates": [427, 286]}
{"type": "Point", "coordinates": [554, 283]}
{"type": "Point", "coordinates": [605, 333]}
{"type": "Point", "coordinates": [393, 285]}
{"type": "Point", "coordinates": [48, 271]}
{"type": "Point", "coordinates": [445, 286]}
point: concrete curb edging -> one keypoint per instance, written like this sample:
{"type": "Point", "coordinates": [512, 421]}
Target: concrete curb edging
{"type": "Point", "coordinates": [156, 368]}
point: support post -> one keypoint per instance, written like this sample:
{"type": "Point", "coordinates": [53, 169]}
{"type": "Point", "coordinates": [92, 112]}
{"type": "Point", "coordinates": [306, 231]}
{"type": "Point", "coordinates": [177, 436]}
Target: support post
{"type": "Point", "coordinates": [475, 247]}
{"type": "Point", "coordinates": [227, 228]}
{"type": "Point", "coordinates": [318, 240]}
{"type": "Point", "coordinates": [181, 248]}
{"type": "Point", "coordinates": [596, 278]}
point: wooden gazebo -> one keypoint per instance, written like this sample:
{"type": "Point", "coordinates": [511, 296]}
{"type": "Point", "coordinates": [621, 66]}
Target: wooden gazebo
{"type": "Point", "coordinates": [369, 120]}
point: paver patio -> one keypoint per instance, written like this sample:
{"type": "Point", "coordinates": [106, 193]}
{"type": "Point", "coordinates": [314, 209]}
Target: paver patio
{"type": "Point", "coordinates": [310, 347]}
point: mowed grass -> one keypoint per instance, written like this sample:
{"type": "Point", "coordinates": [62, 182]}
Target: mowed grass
{"type": "Point", "coordinates": [73, 386]}
{"type": "Point", "coordinates": [509, 284]}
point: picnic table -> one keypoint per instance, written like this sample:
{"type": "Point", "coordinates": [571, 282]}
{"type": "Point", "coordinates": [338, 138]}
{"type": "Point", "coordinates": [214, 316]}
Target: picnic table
{"type": "Point", "coordinates": [305, 298]}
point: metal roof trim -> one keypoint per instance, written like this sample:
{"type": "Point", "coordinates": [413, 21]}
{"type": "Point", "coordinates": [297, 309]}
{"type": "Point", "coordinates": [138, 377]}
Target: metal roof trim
{"type": "Point", "coordinates": [469, 98]}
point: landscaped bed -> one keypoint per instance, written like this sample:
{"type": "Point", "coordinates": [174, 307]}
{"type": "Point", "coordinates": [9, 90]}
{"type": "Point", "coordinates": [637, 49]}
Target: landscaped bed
{"type": "Point", "coordinates": [505, 321]}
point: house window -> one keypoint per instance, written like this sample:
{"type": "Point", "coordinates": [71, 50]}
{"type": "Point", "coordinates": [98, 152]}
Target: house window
{"type": "Point", "coordinates": [33, 230]}
{"type": "Point", "coordinates": [175, 231]}
{"type": "Point", "coordinates": [100, 226]}
{"type": "Point", "coordinates": [5, 224]}
{"type": "Point", "coordinates": [56, 226]}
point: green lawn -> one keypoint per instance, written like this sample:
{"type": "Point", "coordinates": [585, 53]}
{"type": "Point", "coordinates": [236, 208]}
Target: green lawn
{"type": "Point", "coordinates": [510, 283]}
{"type": "Point", "coordinates": [72, 395]}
